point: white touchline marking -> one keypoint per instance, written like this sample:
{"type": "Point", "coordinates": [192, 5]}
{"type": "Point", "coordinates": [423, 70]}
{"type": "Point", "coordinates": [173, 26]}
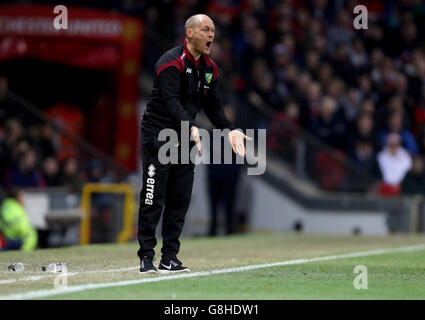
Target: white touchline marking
{"type": "Point", "coordinates": [112, 270]}
{"type": "Point", "coordinates": [91, 286]}
{"type": "Point", "coordinates": [7, 281]}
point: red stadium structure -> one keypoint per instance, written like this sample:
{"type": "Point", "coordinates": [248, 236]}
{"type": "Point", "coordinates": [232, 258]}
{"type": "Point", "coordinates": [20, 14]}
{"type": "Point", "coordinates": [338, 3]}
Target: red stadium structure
{"type": "Point", "coordinates": [94, 40]}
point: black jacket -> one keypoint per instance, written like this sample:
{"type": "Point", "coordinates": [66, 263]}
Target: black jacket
{"type": "Point", "coordinates": [181, 86]}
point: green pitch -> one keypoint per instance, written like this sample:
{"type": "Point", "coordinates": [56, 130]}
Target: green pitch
{"type": "Point", "coordinates": [391, 275]}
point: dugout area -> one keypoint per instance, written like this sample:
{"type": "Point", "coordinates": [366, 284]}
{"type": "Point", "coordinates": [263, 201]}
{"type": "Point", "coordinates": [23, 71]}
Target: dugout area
{"type": "Point", "coordinates": [93, 62]}
{"type": "Point", "coordinates": [47, 84]}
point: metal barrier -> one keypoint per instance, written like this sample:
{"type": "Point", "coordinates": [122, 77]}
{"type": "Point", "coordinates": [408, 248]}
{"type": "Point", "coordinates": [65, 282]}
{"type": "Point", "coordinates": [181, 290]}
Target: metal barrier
{"type": "Point", "coordinates": [55, 213]}
{"type": "Point", "coordinates": [128, 210]}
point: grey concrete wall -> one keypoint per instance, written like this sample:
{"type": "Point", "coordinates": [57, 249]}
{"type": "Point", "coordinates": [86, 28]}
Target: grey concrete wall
{"type": "Point", "coordinates": [271, 210]}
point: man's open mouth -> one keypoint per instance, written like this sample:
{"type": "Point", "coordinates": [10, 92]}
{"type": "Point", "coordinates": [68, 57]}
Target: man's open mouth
{"type": "Point", "coordinates": [209, 44]}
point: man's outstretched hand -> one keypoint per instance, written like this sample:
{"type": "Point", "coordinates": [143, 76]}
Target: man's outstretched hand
{"type": "Point", "coordinates": [235, 138]}
{"type": "Point", "coordinates": [236, 141]}
{"type": "Point", "coordinates": [195, 134]}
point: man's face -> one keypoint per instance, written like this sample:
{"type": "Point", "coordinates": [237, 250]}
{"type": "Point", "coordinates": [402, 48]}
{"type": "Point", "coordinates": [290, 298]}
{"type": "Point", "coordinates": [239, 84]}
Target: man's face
{"type": "Point", "coordinates": [203, 35]}
{"type": "Point", "coordinates": [393, 145]}
{"type": "Point", "coordinates": [418, 166]}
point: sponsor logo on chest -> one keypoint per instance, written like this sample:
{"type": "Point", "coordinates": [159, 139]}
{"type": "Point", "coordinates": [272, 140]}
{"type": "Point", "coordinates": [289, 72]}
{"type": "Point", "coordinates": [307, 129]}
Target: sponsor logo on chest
{"type": "Point", "coordinates": [208, 77]}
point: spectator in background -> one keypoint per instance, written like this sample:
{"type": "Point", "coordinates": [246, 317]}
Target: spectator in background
{"type": "Point", "coordinates": [400, 86]}
{"type": "Point", "coordinates": [101, 216]}
{"type": "Point", "coordinates": [300, 24]}
{"type": "Point", "coordinates": [70, 175]}
{"type": "Point", "coordinates": [368, 107]}
{"type": "Point", "coordinates": [421, 140]}
{"type": "Point", "coordinates": [364, 85]}
{"type": "Point", "coordinates": [16, 232]}
{"type": "Point", "coordinates": [20, 148]}
{"type": "Point", "coordinates": [45, 142]}
{"type": "Point", "coordinates": [50, 170]}
{"type": "Point", "coordinates": [284, 127]}
{"type": "Point", "coordinates": [312, 62]}
{"type": "Point", "coordinates": [260, 94]}
{"type": "Point", "coordinates": [408, 40]}
{"type": "Point", "coordinates": [394, 162]}
{"type": "Point", "coordinates": [25, 173]}
{"type": "Point", "coordinates": [363, 155]}
{"type": "Point", "coordinates": [318, 43]}
{"type": "Point", "coordinates": [386, 109]}
{"type": "Point", "coordinates": [414, 182]}
{"type": "Point", "coordinates": [351, 104]}
{"type": "Point", "coordinates": [241, 40]}
{"type": "Point", "coordinates": [222, 182]}
{"type": "Point", "coordinates": [302, 83]}
{"type": "Point", "coordinates": [335, 89]}
{"type": "Point", "coordinates": [13, 132]}
{"type": "Point", "coordinates": [325, 73]}
{"type": "Point", "coordinates": [330, 125]}
{"type": "Point", "coordinates": [286, 80]}
{"type": "Point", "coordinates": [373, 36]}
{"type": "Point", "coordinates": [358, 55]}
{"type": "Point", "coordinates": [263, 93]}
{"type": "Point", "coordinates": [363, 130]}
{"type": "Point", "coordinates": [395, 125]}
{"type": "Point", "coordinates": [310, 102]}
{"type": "Point", "coordinates": [419, 112]}
{"type": "Point", "coordinates": [341, 32]}
{"type": "Point", "coordinates": [256, 50]}
{"type": "Point", "coordinates": [341, 63]}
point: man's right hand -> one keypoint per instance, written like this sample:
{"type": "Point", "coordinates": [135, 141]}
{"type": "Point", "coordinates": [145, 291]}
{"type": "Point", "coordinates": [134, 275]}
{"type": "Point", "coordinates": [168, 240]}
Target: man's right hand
{"type": "Point", "coordinates": [195, 134]}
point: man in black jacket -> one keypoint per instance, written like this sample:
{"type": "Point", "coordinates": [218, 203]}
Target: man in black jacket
{"type": "Point", "coordinates": [186, 79]}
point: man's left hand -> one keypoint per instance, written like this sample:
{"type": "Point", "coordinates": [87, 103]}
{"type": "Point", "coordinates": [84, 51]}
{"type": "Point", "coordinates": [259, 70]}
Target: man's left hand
{"type": "Point", "coordinates": [236, 141]}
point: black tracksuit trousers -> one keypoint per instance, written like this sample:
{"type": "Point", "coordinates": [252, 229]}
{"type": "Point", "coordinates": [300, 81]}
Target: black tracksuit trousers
{"type": "Point", "coordinates": [168, 185]}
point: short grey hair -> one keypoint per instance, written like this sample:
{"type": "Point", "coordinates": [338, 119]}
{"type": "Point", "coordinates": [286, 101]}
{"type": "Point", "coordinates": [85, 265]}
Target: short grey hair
{"type": "Point", "coordinates": [193, 21]}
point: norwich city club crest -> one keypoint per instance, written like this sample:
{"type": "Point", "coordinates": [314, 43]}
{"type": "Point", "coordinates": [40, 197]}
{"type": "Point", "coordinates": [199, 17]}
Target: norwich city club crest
{"type": "Point", "coordinates": [208, 77]}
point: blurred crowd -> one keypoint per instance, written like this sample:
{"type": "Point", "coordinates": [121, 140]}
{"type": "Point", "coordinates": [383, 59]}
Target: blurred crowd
{"type": "Point", "coordinates": [36, 154]}
{"type": "Point", "coordinates": [284, 64]}
{"type": "Point", "coordinates": [302, 63]}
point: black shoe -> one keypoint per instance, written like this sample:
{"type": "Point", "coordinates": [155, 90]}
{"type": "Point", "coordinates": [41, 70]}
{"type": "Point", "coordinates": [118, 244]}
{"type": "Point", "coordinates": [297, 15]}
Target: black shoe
{"type": "Point", "coordinates": [171, 265]}
{"type": "Point", "coordinates": [146, 265]}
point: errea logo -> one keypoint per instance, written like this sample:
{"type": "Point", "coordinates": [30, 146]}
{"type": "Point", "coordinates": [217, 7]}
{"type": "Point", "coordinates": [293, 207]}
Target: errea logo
{"type": "Point", "coordinates": [150, 183]}
{"type": "Point", "coordinates": [151, 170]}
{"type": "Point", "coordinates": [189, 70]}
